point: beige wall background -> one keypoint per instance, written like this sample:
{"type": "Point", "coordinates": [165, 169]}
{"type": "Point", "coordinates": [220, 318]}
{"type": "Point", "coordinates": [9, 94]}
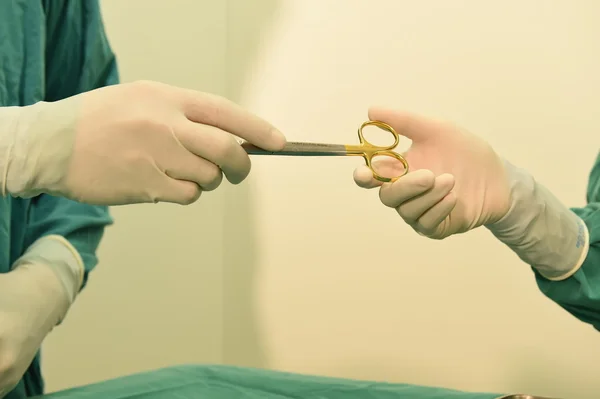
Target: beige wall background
{"type": "Point", "coordinates": [298, 269]}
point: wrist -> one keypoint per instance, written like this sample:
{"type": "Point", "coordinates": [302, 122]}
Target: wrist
{"type": "Point", "coordinates": [10, 118]}
{"type": "Point", "coordinates": [38, 149]}
{"type": "Point", "coordinates": [541, 230]}
{"type": "Point", "coordinates": [55, 254]}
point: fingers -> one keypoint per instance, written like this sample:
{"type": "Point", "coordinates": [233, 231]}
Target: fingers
{"type": "Point", "coordinates": [216, 146]}
{"type": "Point", "coordinates": [413, 126]}
{"type": "Point", "coordinates": [195, 169]}
{"type": "Point", "coordinates": [385, 166]}
{"type": "Point", "coordinates": [422, 200]}
{"type": "Point", "coordinates": [179, 192]}
{"type": "Point", "coordinates": [363, 177]}
{"type": "Point", "coordinates": [407, 187]}
{"type": "Point", "coordinates": [216, 111]}
{"type": "Point", "coordinates": [429, 223]}
{"type": "Point", "coordinates": [411, 209]}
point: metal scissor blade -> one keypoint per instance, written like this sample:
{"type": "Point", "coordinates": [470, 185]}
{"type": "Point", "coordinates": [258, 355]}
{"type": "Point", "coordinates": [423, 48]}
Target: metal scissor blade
{"type": "Point", "coordinates": [299, 149]}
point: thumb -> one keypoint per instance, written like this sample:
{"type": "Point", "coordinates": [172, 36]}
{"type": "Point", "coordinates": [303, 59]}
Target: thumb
{"type": "Point", "coordinates": [413, 126]}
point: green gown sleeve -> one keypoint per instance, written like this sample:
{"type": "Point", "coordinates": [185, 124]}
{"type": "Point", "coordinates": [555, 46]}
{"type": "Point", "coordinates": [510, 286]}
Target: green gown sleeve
{"type": "Point", "coordinates": [78, 59]}
{"type": "Point", "coordinates": [580, 293]}
{"type": "Point", "coordinates": [59, 49]}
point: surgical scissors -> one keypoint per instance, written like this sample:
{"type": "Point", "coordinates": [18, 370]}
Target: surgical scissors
{"type": "Point", "coordinates": [365, 149]}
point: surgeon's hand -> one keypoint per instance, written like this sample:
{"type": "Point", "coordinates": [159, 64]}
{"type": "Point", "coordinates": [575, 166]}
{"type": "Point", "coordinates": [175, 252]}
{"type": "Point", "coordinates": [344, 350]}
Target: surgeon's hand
{"type": "Point", "coordinates": [456, 181]}
{"type": "Point", "coordinates": [131, 143]}
{"type": "Point", "coordinates": [32, 302]}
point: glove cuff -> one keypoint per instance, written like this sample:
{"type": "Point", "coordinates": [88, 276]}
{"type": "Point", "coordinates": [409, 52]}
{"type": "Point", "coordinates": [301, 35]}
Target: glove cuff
{"type": "Point", "coordinates": [9, 126]}
{"type": "Point", "coordinates": [542, 231]}
{"type": "Point", "coordinates": [62, 258]}
{"type": "Point", "coordinates": [37, 145]}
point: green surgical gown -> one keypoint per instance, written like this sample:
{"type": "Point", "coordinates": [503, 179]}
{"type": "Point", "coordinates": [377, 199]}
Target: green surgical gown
{"type": "Point", "coordinates": [50, 50]}
{"type": "Point", "coordinates": [580, 293]}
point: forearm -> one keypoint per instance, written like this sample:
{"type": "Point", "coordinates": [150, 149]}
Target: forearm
{"type": "Point", "coordinates": [9, 125]}
{"type": "Point", "coordinates": [541, 230]}
{"type": "Point", "coordinates": [61, 257]}
{"type": "Point", "coordinates": [580, 293]}
{"type": "Point", "coordinates": [81, 225]}
{"type": "Point", "coordinates": [36, 146]}
{"type": "Point", "coordinates": [561, 244]}
{"type": "Point", "coordinates": [35, 296]}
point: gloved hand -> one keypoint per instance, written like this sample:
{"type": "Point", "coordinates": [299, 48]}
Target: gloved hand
{"type": "Point", "coordinates": [457, 182]}
{"type": "Point", "coordinates": [34, 297]}
{"type": "Point", "coordinates": [129, 143]}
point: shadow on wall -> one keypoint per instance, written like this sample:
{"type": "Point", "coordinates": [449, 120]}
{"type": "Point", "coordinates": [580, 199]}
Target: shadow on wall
{"type": "Point", "coordinates": [248, 23]}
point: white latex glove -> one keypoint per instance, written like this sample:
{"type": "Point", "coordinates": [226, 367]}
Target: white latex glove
{"type": "Point", "coordinates": [34, 297]}
{"type": "Point", "coordinates": [457, 182]}
{"type": "Point", "coordinates": [130, 143]}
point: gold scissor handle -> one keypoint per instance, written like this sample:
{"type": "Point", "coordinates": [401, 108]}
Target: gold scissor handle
{"type": "Point", "coordinates": [370, 151]}
{"type": "Point", "coordinates": [383, 126]}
